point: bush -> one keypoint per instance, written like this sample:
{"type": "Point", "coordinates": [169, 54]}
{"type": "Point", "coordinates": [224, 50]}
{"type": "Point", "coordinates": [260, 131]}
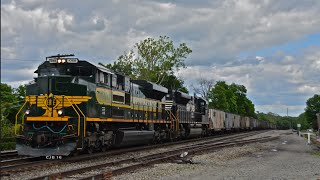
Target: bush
{"type": "Point", "coordinates": [8, 140]}
{"type": "Point", "coordinates": [7, 130]}
{"type": "Point", "coordinates": [7, 146]}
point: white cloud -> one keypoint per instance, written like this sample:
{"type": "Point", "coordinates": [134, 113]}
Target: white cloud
{"type": "Point", "coordinates": [281, 109]}
{"type": "Point", "coordinates": [269, 84]}
{"type": "Point", "coordinates": [217, 32]}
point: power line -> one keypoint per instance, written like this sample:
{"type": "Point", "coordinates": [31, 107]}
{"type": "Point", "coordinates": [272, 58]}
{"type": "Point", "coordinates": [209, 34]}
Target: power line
{"type": "Point", "coordinates": [19, 59]}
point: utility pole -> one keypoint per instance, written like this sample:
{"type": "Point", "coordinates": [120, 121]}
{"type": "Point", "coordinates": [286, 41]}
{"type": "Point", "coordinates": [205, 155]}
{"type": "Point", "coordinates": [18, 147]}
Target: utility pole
{"type": "Point", "coordinates": [288, 118]}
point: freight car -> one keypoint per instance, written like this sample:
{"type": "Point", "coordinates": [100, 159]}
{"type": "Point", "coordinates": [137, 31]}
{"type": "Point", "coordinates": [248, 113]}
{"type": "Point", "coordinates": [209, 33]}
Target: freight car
{"type": "Point", "coordinates": [74, 105]}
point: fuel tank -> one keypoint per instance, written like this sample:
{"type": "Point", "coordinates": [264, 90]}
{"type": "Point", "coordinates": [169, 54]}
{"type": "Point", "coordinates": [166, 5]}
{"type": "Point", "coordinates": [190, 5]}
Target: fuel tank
{"type": "Point", "coordinates": [133, 137]}
{"type": "Point", "coordinates": [195, 132]}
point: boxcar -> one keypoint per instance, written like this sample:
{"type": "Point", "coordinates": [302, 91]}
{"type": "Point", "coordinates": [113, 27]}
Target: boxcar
{"type": "Point", "coordinates": [216, 119]}
{"type": "Point", "coordinates": [236, 121]}
{"type": "Point", "coordinates": [228, 121]}
{"type": "Point", "coordinates": [253, 123]}
{"type": "Point", "coordinates": [242, 123]}
{"type": "Point", "coordinates": [247, 119]}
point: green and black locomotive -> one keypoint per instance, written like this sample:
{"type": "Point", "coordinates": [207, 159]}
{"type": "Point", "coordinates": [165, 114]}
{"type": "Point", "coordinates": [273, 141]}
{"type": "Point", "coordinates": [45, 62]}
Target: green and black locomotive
{"type": "Point", "coordinates": [74, 105]}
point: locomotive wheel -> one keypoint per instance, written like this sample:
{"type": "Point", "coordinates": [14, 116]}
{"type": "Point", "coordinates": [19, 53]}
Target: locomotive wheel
{"type": "Point", "coordinates": [104, 148]}
{"type": "Point", "coordinates": [75, 153]}
{"type": "Point", "coordinates": [90, 149]}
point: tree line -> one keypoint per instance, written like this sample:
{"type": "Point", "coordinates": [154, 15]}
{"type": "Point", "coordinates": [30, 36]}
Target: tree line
{"type": "Point", "coordinates": [307, 119]}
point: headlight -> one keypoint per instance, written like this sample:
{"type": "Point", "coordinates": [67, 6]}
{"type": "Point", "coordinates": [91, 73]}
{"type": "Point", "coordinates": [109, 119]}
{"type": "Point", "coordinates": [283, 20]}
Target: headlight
{"type": "Point", "coordinates": [59, 60]}
{"type": "Point", "coordinates": [60, 112]}
{"type": "Point", "coordinates": [63, 60]}
{"type": "Point", "coordinates": [27, 112]}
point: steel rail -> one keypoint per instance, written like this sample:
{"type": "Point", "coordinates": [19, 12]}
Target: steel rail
{"type": "Point", "coordinates": [134, 160]}
{"type": "Point", "coordinates": [24, 166]}
{"type": "Point", "coordinates": [169, 157]}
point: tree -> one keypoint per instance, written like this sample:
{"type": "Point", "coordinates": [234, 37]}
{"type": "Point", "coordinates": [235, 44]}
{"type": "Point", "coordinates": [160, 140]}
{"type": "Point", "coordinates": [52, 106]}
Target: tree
{"type": "Point", "coordinates": [249, 108]}
{"type": "Point", "coordinates": [281, 122]}
{"type": "Point", "coordinates": [8, 102]}
{"type": "Point", "coordinates": [11, 100]}
{"type": "Point", "coordinates": [313, 107]}
{"type": "Point", "coordinates": [124, 64]}
{"type": "Point", "coordinates": [203, 87]}
{"type": "Point", "coordinates": [231, 98]}
{"type": "Point", "coordinates": [218, 96]}
{"type": "Point", "coordinates": [302, 119]}
{"type": "Point", "coordinates": [154, 60]}
{"type": "Point", "coordinates": [175, 83]}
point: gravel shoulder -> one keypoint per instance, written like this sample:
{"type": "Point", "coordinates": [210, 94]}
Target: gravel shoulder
{"type": "Point", "coordinates": [289, 157]}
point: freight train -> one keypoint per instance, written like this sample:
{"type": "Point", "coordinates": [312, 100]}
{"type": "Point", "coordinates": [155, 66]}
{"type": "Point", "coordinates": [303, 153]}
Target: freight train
{"type": "Point", "coordinates": [74, 105]}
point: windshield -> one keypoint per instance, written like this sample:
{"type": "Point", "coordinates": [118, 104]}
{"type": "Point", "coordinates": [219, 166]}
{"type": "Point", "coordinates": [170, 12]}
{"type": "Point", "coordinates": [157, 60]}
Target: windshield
{"type": "Point", "coordinates": [49, 72]}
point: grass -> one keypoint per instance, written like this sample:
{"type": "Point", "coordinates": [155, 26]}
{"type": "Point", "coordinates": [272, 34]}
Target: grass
{"type": "Point", "coordinates": [316, 153]}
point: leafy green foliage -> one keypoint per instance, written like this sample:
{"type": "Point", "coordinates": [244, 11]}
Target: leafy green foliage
{"type": "Point", "coordinates": [155, 61]}
{"type": "Point", "coordinates": [7, 146]}
{"type": "Point", "coordinates": [11, 100]}
{"type": "Point", "coordinates": [302, 119]}
{"type": "Point", "coordinates": [313, 107]}
{"type": "Point", "coordinates": [307, 119]}
{"type": "Point", "coordinates": [172, 82]}
{"type": "Point", "coordinates": [218, 96]}
{"type": "Point", "coordinates": [280, 121]}
{"type": "Point", "coordinates": [231, 98]}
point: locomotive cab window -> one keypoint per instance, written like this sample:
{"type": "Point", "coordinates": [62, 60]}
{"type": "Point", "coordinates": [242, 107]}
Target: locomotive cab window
{"type": "Point", "coordinates": [49, 72]}
{"type": "Point", "coordinates": [102, 78]}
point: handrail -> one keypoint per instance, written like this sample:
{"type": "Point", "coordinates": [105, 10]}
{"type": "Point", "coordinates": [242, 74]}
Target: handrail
{"type": "Point", "coordinates": [174, 121]}
{"type": "Point", "coordinates": [84, 120]}
{"type": "Point", "coordinates": [77, 114]}
{"type": "Point", "coordinates": [15, 129]}
{"type": "Point", "coordinates": [177, 122]}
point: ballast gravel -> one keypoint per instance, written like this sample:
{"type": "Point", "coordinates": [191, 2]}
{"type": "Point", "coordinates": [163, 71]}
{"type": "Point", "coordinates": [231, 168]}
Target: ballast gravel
{"type": "Point", "coordinates": [69, 166]}
{"type": "Point", "coordinates": [289, 157]}
{"type": "Point", "coordinates": [244, 162]}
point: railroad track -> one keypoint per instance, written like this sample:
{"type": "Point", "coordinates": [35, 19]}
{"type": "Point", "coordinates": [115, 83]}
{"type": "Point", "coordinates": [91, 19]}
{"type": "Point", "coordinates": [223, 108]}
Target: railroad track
{"type": "Point", "coordinates": [142, 148]}
{"type": "Point", "coordinates": [16, 165]}
{"type": "Point", "coordinates": [168, 157]}
{"type": "Point", "coordinates": [16, 161]}
{"type": "Point", "coordinates": [138, 162]}
{"type": "Point", "coordinates": [32, 163]}
{"type": "Point", "coordinates": [24, 164]}
{"type": "Point", "coordinates": [8, 154]}
{"type": "Point", "coordinates": [36, 163]}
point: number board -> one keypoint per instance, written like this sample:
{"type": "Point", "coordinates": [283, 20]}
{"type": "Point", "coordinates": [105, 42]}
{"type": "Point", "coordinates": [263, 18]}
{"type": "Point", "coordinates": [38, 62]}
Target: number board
{"type": "Point", "coordinates": [53, 60]}
{"type": "Point", "coordinates": [72, 60]}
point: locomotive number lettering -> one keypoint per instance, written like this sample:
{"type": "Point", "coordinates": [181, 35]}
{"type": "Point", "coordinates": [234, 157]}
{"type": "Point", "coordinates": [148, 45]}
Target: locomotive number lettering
{"type": "Point", "coordinates": [53, 157]}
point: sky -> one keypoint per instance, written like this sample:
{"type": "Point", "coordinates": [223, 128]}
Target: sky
{"type": "Point", "coordinates": [270, 46]}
